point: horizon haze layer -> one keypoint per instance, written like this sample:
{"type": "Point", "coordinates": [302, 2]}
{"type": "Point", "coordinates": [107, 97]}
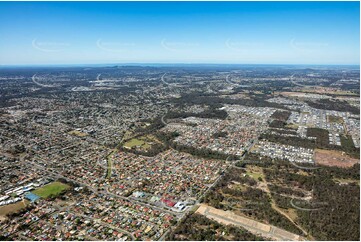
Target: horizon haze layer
{"type": "Point", "coordinates": [63, 33]}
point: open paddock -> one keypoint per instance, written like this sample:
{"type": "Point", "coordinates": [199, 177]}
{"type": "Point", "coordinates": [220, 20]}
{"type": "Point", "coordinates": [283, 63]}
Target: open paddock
{"type": "Point", "coordinates": [333, 158]}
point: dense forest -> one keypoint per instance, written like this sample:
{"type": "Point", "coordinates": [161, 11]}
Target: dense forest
{"type": "Point", "coordinates": [334, 207]}
{"type": "Point", "coordinates": [287, 140]}
{"type": "Point", "coordinates": [338, 105]}
{"type": "Point", "coordinates": [277, 124]}
{"type": "Point", "coordinates": [203, 99]}
{"type": "Point", "coordinates": [167, 139]}
{"type": "Point", "coordinates": [256, 203]}
{"type": "Point", "coordinates": [281, 115]}
{"type": "Point", "coordinates": [212, 112]}
{"type": "Point", "coordinates": [334, 210]}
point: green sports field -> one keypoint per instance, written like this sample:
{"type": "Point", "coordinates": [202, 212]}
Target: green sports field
{"type": "Point", "coordinates": [51, 189]}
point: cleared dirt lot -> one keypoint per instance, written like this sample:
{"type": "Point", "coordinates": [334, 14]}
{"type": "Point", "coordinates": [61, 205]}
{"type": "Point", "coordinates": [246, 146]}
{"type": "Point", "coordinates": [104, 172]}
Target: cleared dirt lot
{"type": "Point", "coordinates": [334, 158]}
{"type": "Point", "coordinates": [228, 217]}
{"type": "Point", "coordinates": [12, 208]}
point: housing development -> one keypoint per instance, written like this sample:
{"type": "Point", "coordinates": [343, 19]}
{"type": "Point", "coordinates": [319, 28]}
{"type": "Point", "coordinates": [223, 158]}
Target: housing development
{"type": "Point", "coordinates": [188, 152]}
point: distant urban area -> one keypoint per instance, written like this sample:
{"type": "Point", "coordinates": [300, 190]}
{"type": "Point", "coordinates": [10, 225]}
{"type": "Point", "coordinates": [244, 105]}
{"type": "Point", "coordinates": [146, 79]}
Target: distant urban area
{"type": "Point", "coordinates": [180, 152]}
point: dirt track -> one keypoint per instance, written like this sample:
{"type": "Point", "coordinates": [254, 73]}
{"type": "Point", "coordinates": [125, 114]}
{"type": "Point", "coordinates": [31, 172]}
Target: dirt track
{"type": "Point", "coordinates": [265, 230]}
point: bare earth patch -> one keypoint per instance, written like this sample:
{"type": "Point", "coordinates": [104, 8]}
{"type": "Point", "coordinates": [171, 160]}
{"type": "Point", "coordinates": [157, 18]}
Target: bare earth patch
{"type": "Point", "coordinates": [334, 158]}
{"type": "Point", "coordinates": [265, 230]}
{"type": "Point", "coordinates": [12, 208]}
{"type": "Point", "coordinates": [293, 94]}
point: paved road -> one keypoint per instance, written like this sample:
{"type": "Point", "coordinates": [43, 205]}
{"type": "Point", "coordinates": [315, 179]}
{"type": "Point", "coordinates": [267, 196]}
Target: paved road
{"type": "Point", "coordinates": [168, 84]}
{"type": "Point", "coordinates": [40, 84]}
{"type": "Point", "coordinates": [294, 82]}
{"type": "Point", "coordinates": [230, 82]}
{"type": "Point", "coordinates": [162, 119]}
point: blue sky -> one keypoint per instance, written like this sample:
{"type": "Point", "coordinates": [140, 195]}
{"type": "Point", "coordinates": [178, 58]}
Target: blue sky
{"type": "Point", "coordinates": [173, 32]}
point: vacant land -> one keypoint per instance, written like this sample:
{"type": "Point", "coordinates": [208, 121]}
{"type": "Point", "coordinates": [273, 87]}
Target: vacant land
{"type": "Point", "coordinates": [135, 142]}
{"type": "Point", "coordinates": [52, 189]}
{"type": "Point", "coordinates": [335, 119]}
{"type": "Point", "coordinates": [291, 126]}
{"type": "Point", "coordinates": [346, 181]}
{"type": "Point", "coordinates": [326, 90]}
{"type": "Point", "coordinates": [294, 94]}
{"type": "Point", "coordinates": [142, 143]}
{"type": "Point", "coordinates": [12, 208]}
{"type": "Point", "coordinates": [255, 172]}
{"type": "Point", "coordinates": [334, 158]}
{"type": "Point", "coordinates": [229, 218]}
{"type": "Point", "coordinates": [77, 133]}
{"type": "Point", "coordinates": [127, 135]}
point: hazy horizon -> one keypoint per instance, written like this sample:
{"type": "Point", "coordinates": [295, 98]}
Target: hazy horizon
{"type": "Point", "coordinates": [84, 33]}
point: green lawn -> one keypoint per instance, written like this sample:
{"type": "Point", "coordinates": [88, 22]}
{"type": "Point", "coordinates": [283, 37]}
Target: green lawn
{"type": "Point", "coordinates": [51, 189]}
{"type": "Point", "coordinates": [143, 142]}
{"type": "Point", "coordinates": [109, 164]}
{"type": "Point", "coordinates": [134, 142]}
